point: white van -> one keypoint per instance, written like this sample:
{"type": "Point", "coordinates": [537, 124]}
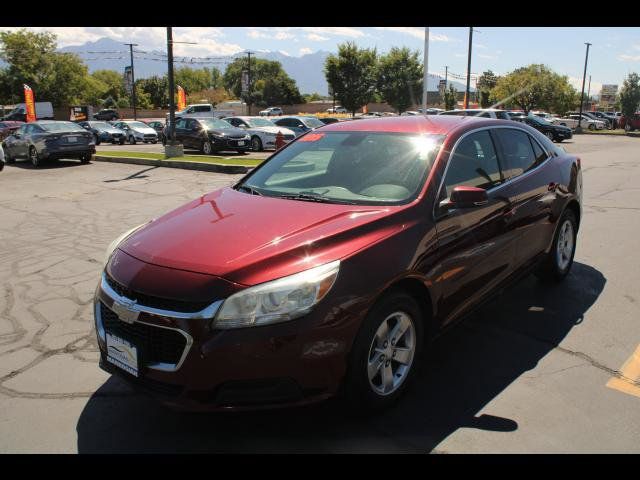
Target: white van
{"type": "Point", "coordinates": [44, 111]}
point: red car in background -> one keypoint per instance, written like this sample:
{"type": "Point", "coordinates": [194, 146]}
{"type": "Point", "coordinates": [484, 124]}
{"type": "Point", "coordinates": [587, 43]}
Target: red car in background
{"type": "Point", "coordinates": [630, 124]}
{"type": "Point", "coordinates": [329, 266]}
{"type": "Point", "coordinates": [7, 127]}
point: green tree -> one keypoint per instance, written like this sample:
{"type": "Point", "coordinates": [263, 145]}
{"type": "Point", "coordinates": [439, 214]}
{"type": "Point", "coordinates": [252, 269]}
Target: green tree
{"type": "Point", "coordinates": [31, 57]}
{"type": "Point", "coordinates": [193, 80]}
{"type": "Point", "coordinates": [270, 84]}
{"type": "Point", "coordinates": [630, 95]}
{"type": "Point", "coordinates": [113, 83]}
{"type": "Point", "coordinates": [485, 84]}
{"type": "Point", "coordinates": [450, 96]}
{"type": "Point", "coordinates": [312, 97]}
{"type": "Point", "coordinates": [352, 75]}
{"type": "Point", "coordinates": [400, 78]}
{"type": "Point", "coordinates": [158, 90]}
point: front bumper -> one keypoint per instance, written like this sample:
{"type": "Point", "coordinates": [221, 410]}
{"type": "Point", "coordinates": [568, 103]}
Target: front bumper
{"type": "Point", "coordinates": [287, 364]}
{"type": "Point", "coordinates": [224, 143]}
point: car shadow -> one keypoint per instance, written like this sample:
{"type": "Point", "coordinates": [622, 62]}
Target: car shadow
{"type": "Point", "coordinates": [461, 372]}
{"type": "Point", "coordinates": [46, 165]}
{"type": "Point", "coordinates": [133, 176]}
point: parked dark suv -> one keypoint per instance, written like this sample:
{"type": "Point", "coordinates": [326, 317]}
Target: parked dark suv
{"type": "Point", "coordinates": [328, 267]}
{"type": "Point", "coordinates": [49, 140]}
{"type": "Point", "coordinates": [107, 114]}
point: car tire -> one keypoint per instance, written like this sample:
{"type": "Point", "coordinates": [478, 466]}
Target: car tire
{"type": "Point", "coordinates": [86, 158]}
{"type": "Point", "coordinates": [122, 140]}
{"type": "Point", "coordinates": [365, 384]}
{"type": "Point", "coordinates": [7, 156]}
{"type": "Point", "coordinates": [256, 144]}
{"type": "Point", "coordinates": [592, 126]}
{"type": "Point", "coordinates": [207, 147]}
{"type": "Point", "coordinates": [557, 264]}
{"type": "Point", "coordinates": [550, 136]}
{"type": "Point", "coordinates": [164, 141]}
{"type": "Point", "coordinates": [154, 141]}
{"type": "Point", "coordinates": [96, 139]}
{"type": "Point", "coordinates": [34, 157]}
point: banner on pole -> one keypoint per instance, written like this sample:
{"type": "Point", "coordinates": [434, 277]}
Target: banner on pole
{"type": "Point", "coordinates": [128, 79]}
{"type": "Point", "coordinates": [182, 99]}
{"type": "Point", "coordinates": [29, 104]}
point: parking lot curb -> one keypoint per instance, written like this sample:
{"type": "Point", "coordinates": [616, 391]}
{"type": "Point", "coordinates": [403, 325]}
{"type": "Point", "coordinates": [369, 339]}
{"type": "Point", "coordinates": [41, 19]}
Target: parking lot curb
{"type": "Point", "coordinates": [205, 167]}
{"type": "Point", "coordinates": [627, 134]}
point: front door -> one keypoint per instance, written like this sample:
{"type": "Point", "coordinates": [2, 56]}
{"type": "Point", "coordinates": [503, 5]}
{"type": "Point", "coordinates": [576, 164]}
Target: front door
{"type": "Point", "coordinates": [476, 244]}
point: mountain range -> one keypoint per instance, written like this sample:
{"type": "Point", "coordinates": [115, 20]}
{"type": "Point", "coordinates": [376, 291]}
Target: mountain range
{"type": "Point", "coordinates": [307, 70]}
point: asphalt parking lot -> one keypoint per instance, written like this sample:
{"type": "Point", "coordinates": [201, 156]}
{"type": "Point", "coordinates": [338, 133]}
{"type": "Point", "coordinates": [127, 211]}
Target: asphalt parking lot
{"type": "Point", "coordinates": [540, 369]}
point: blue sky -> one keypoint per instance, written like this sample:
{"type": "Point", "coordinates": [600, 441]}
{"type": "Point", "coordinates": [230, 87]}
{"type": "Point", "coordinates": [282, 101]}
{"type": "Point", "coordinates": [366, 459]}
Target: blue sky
{"type": "Point", "coordinates": [615, 51]}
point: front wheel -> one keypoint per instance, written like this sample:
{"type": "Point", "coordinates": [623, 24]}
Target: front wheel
{"type": "Point", "coordinates": [384, 353]}
{"type": "Point", "coordinates": [132, 140]}
{"type": "Point", "coordinates": [34, 157]}
{"type": "Point", "coordinates": [207, 148]}
{"type": "Point", "coordinates": [256, 144]}
{"type": "Point", "coordinates": [559, 260]}
{"type": "Point", "coordinates": [154, 141]}
{"type": "Point", "coordinates": [592, 126]}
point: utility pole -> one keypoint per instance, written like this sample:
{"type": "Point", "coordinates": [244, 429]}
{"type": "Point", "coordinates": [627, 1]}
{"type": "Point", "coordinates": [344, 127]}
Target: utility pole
{"type": "Point", "coordinates": [425, 80]}
{"type": "Point", "coordinates": [589, 92]}
{"type": "Point", "coordinates": [466, 94]}
{"type": "Point", "coordinates": [584, 77]}
{"type": "Point", "coordinates": [133, 80]}
{"type": "Point", "coordinates": [249, 83]}
{"type": "Point", "coordinates": [446, 74]}
{"type": "Point", "coordinates": [172, 102]}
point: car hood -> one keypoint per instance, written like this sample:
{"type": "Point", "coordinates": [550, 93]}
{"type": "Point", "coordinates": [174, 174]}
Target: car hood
{"type": "Point", "coordinates": [111, 130]}
{"type": "Point", "coordinates": [249, 239]}
{"type": "Point", "coordinates": [276, 129]}
{"type": "Point", "coordinates": [143, 130]}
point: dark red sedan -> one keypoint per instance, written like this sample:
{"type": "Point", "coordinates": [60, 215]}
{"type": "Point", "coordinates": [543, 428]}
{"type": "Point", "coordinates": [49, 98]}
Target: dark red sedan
{"type": "Point", "coordinates": [328, 267]}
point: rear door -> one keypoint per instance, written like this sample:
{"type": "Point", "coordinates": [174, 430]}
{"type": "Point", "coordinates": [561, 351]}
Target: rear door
{"type": "Point", "coordinates": [476, 245]}
{"type": "Point", "coordinates": [533, 178]}
{"type": "Point", "coordinates": [181, 130]}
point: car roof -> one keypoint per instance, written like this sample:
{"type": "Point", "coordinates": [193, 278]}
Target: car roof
{"type": "Point", "coordinates": [418, 124]}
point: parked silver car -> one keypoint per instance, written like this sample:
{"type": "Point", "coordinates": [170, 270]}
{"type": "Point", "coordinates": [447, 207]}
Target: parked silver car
{"type": "Point", "coordinates": [263, 131]}
{"type": "Point", "coordinates": [137, 131]}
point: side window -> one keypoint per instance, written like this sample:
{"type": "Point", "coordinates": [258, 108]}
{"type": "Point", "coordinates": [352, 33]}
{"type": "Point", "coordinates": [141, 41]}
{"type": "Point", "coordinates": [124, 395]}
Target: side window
{"type": "Point", "coordinates": [203, 108]}
{"type": "Point", "coordinates": [473, 163]}
{"type": "Point", "coordinates": [539, 153]}
{"type": "Point", "coordinates": [517, 150]}
{"type": "Point", "coordinates": [28, 130]}
{"type": "Point", "coordinates": [190, 110]}
{"type": "Point", "coordinates": [182, 123]}
{"type": "Point", "coordinates": [22, 130]}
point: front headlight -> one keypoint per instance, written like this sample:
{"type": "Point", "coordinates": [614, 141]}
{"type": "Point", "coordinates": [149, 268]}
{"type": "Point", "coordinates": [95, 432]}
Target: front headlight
{"type": "Point", "coordinates": [279, 300]}
{"type": "Point", "coordinates": [113, 245]}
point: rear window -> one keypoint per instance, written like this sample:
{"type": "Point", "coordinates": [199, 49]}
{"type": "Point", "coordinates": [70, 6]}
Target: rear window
{"type": "Point", "coordinates": [62, 127]}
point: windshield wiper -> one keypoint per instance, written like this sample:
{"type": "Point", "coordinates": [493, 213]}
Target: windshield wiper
{"type": "Point", "coordinates": [251, 190]}
{"type": "Point", "coordinates": [312, 197]}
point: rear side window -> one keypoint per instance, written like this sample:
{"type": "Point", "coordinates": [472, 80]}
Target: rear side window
{"type": "Point", "coordinates": [518, 152]}
{"type": "Point", "coordinates": [539, 153]}
{"type": "Point", "coordinates": [202, 108]}
{"type": "Point", "coordinates": [473, 163]}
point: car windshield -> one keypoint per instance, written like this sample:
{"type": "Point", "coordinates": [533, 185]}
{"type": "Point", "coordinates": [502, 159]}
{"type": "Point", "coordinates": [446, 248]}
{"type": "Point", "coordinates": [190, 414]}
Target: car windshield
{"type": "Point", "coordinates": [312, 122]}
{"type": "Point", "coordinates": [363, 168]}
{"type": "Point", "coordinates": [213, 123]}
{"type": "Point", "coordinates": [100, 125]}
{"type": "Point", "coordinates": [62, 127]}
{"type": "Point", "coordinates": [259, 122]}
{"type": "Point", "coordinates": [538, 120]}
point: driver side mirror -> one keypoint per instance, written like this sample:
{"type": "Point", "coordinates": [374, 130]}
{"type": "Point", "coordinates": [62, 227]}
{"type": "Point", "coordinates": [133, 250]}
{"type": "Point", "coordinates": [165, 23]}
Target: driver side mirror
{"type": "Point", "coordinates": [465, 197]}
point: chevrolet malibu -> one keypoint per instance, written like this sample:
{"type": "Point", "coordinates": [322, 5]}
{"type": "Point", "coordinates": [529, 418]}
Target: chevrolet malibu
{"type": "Point", "coordinates": [326, 269]}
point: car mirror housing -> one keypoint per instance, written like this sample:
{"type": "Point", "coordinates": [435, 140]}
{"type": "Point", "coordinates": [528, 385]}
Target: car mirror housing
{"type": "Point", "coordinates": [467, 197]}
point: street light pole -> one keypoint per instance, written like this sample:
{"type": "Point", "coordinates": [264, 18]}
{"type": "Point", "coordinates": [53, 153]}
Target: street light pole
{"type": "Point", "coordinates": [584, 77]}
{"type": "Point", "coordinates": [589, 92]}
{"type": "Point", "coordinates": [133, 80]}
{"type": "Point", "coordinates": [249, 83]}
{"type": "Point", "coordinates": [172, 102]}
{"type": "Point", "coordinates": [426, 71]}
{"type": "Point", "coordinates": [466, 94]}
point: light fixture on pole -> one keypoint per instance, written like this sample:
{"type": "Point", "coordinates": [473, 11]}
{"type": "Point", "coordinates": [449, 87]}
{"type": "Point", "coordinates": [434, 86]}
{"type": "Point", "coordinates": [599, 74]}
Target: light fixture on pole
{"type": "Point", "coordinates": [584, 77]}
{"type": "Point", "coordinates": [425, 79]}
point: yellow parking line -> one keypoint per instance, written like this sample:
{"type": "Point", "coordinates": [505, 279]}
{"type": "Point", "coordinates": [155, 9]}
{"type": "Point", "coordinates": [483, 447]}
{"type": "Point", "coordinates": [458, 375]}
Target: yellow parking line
{"type": "Point", "coordinates": [631, 371]}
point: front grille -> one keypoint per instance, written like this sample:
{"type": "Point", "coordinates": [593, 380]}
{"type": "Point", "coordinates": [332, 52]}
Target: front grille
{"type": "Point", "coordinates": [156, 345]}
{"type": "Point", "coordinates": [156, 302]}
{"type": "Point", "coordinates": [237, 137]}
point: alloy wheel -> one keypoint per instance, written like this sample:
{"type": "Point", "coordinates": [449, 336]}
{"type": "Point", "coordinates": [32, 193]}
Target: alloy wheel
{"type": "Point", "coordinates": [34, 157]}
{"type": "Point", "coordinates": [391, 353]}
{"type": "Point", "coordinates": [256, 144]}
{"type": "Point", "coordinates": [565, 245]}
{"type": "Point", "coordinates": [207, 148]}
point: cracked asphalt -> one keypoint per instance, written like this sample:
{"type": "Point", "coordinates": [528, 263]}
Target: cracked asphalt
{"type": "Point", "coordinates": [526, 373]}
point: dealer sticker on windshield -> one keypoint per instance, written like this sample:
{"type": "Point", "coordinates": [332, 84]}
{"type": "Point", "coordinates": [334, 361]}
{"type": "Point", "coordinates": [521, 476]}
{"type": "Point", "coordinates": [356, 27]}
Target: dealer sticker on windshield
{"type": "Point", "coordinates": [122, 354]}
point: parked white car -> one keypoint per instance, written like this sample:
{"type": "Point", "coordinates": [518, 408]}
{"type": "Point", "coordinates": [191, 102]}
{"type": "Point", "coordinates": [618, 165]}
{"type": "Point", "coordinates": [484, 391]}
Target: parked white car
{"type": "Point", "coordinates": [571, 121]}
{"type": "Point", "coordinates": [271, 112]}
{"type": "Point", "coordinates": [202, 110]}
{"type": "Point", "coordinates": [263, 131]}
{"type": "Point", "coordinates": [479, 112]}
{"type": "Point", "coordinates": [137, 131]}
{"type": "Point", "coordinates": [547, 116]}
{"type": "Point", "coordinates": [337, 110]}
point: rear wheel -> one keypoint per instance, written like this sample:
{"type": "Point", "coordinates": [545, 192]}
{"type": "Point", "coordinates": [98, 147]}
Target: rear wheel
{"type": "Point", "coordinates": [256, 144]}
{"type": "Point", "coordinates": [382, 361]}
{"type": "Point", "coordinates": [34, 157]}
{"type": "Point", "coordinates": [559, 260]}
{"type": "Point", "coordinates": [549, 135]}
{"type": "Point", "coordinates": [86, 158]}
